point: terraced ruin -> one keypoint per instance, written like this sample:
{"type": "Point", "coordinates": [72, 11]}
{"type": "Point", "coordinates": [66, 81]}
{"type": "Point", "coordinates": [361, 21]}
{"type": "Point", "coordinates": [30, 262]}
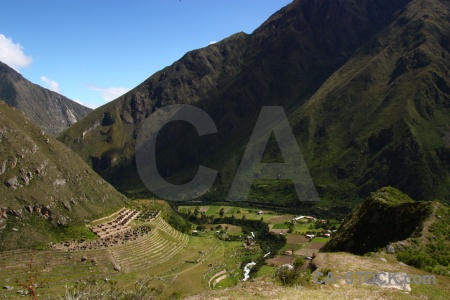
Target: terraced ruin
{"type": "Point", "coordinates": [152, 249]}
{"type": "Point", "coordinates": [149, 244]}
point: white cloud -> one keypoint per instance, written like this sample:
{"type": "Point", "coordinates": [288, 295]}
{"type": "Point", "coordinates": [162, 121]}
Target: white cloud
{"type": "Point", "coordinates": [90, 105]}
{"type": "Point", "coordinates": [212, 42]}
{"type": "Point", "coordinates": [12, 54]}
{"type": "Point", "coordinates": [51, 84]}
{"type": "Point", "coordinates": [110, 93]}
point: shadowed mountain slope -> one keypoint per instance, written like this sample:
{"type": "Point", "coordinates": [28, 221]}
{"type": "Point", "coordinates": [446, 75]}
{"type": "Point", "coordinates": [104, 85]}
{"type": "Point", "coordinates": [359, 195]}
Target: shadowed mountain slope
{"type": "Point", "coordinates": [365, 85]}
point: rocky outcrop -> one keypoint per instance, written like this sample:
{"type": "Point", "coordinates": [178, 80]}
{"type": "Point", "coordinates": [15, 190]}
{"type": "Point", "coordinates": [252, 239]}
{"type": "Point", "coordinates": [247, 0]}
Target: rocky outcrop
{"type": "Point", "coordinates": [385, 217]}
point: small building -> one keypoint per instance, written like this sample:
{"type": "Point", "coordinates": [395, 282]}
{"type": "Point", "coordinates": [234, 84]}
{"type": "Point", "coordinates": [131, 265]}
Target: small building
{"type": "Point", "coordinates": [260, 212]}
{"type": "Point", "coordinates": [311, 236]}
{"type": "Point", "coordinates": [327, 235]}
{"type": "Point", "coordinates": [288, 252]}
{"type": "Point", "coordinates": [194, 232]}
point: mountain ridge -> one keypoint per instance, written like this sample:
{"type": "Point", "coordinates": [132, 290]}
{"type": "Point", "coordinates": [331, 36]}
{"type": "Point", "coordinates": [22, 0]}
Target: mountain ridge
{"type": "Point", "coordinates": [331, 80]}
{"type": "Point", "coordinates": [47, 109]}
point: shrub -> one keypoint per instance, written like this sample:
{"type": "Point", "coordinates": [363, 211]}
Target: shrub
{"type": "Point", "coordinates": [415, 258]}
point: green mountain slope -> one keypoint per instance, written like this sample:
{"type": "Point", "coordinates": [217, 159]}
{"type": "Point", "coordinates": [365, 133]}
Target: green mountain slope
{"type": "Point", "coordinates": [416, 231]}
{"type": "Point", "coordinates": [365, 86]}
{"type": "Point", "coordinates": [49, 110]}
{"type": "Point", "coordinates": [44, 186]}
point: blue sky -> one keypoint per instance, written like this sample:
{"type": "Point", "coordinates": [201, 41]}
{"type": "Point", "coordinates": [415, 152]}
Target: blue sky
{"type": "Point", "coordinates": [92, 51]}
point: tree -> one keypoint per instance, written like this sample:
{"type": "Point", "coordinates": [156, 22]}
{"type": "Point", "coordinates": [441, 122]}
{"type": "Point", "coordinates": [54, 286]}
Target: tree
{"type": "Point", "coordinates": [204, 218]}
{"type": "Point", "coordinates": [196, 211]}
{"type": "Point", "coordinates": [291, 228]}
{"type": "Point", "coordinates": [221, 212]}
{"type": "Point", "coordinates": [299, 262]}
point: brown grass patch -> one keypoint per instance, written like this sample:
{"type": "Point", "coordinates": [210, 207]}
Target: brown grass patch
{"type": "Point", "coordinates": [297, 239]}
{"type": "Point", "coordinates": [280, 260]}
{"type": "Point", "coordinates": [203, 208]}
{"type": "Point", "coordinates": [280, 219]}
{"type": "Point", "coordinates": [316, 246]}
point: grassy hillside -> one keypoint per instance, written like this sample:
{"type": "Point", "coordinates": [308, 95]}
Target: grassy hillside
{"type": "Point", "coordinates": [44, 186]}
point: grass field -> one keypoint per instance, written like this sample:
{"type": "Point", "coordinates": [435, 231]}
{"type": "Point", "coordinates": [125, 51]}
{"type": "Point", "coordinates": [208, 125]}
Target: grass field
{"type": "Point", "coordinates": [320, 239]}
{"type": "Point", "coordinates": [232, 229]}
{"type": "Point", "coordinates": [280, 226]}
{"type": "Point", "coordinates": [238, 212]}
{"type": "Point", "coordinates": [183, 264]}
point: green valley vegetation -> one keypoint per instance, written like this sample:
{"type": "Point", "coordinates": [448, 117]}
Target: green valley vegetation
{"type": "Point", "coordinates": [430, 251]}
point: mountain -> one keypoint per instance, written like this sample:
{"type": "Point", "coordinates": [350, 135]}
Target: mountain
{"type": "Point", "coordinates": [385, 216]}
{"type": "Point", "coordinates": [44, 186]}
{"type": "Point", "coordinates": [49, 110]}
{"type": "Point", "coordinates": [415, 231]}
{"type": "Point", "coordinates": [365, 85]}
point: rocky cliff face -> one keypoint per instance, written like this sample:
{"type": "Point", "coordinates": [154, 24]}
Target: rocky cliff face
{"type": "Point", "coordinates": [44, 185]}
{"type": "Point", "coordinates": [49, 110]}
{"type": "Point", "coordinates": [365, 85]}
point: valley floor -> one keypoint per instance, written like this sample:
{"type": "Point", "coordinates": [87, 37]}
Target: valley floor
{"type": "Point", "coordinates": [202, 266]}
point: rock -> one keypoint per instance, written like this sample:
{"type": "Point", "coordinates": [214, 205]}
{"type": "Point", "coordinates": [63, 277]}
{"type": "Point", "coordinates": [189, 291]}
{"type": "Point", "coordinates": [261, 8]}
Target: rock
{"type": "Point", "coordinates": [62, 221]}
{"type": "Point", "coordinates": [383, 259]}
{"type": "Point", "coordinates": [389, 249]}
{"type": "Point", "coordinates": [12, 183]}
{"type": "Point", "coordinates": [116, 268]}
{"type": "Point", "coordinates": [402, 264]}
{"type": "Point", "coordinates": [8, 287]}
{"type": "Point", "coordinates": [15, 229]}
{"type": "Point", "coordinates": [67, 205]}
{"type": "Point", "coordinates": [26, 180]}
{"type": "Point", "coordinates": [13, 163]}
{"type": "Point", "coordinates": [15, 212]}
{"type": "Point", "coordinates": [3, 212]}
{"type": "Point", "coordinates": [3, 167]}
{"type": "Point", "coordinates": [59, 182]}
{"type": "Point", "coordinates": [83, 259]}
